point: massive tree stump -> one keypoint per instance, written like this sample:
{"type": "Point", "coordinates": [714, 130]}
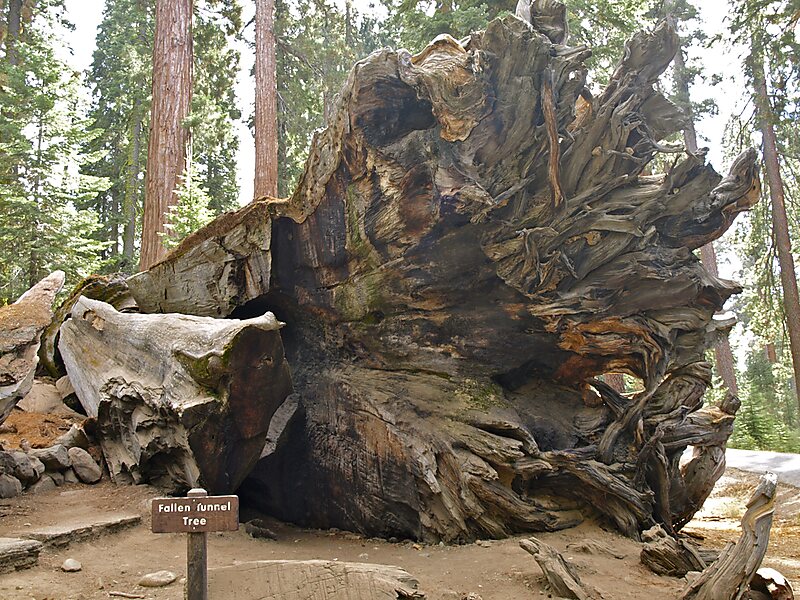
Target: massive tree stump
{"type": "Point", "coordinates": [178, 401]}
{"type": "Point", "coordinates": [474, 241]}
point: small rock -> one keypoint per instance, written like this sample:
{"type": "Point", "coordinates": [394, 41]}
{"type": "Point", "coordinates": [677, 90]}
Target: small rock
{"type": "Point", "coordinates": [55, 458]}
{"type": "Point", "coordinates": [43, 398]}
{"type": "Point", "coordinates": [450, 595]}
{"type": "Point", "coordinates": [7, 463]}
{"type": "Point", "coordinates": [74, 438]}
{"type": "Point", "coordinates": [157, 579]}
{"type": "Point", "coordinates": [363, 556]}
{"type": "Point", "coordinates": [10, 486]}
{"type": "Point", "coordinates": [70, 476]}
{"type": "Point", "coordinates": [64, 387]}
{"type": "Point", "coordinates": [57, 477]}
{"type": "Point", "coordinates": [24, 468]}
{"type": "Point", "coordinates": [71, 565]}
{"type": "Point", "coordinates": [8, 428]}
{"type": "Point", "coordinates": [472, 596]}
{"type": "Point", "coordinates": [86, 469]}
{"type": "Point", "coordinates": [257, 528]}
{"type": "Point", "coordinates": [484, 544]}
{"type": "Point", "coordinates": [45, 484]}
{"type": "Point", "coordinates": [37, 465]}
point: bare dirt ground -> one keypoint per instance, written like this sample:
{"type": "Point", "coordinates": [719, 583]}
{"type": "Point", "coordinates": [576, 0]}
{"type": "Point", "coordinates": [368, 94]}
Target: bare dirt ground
{"type": "Point", "coordinates": [497, 570]}
{"type": "Point", "coordinates": [487, 570]}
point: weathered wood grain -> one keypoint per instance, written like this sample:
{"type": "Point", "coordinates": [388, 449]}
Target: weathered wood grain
{"type": "Point", "coordinates": [728, 577]}
{"type": "Point", "coordinates": [179, 401]}
{"type": "Point", "coordinates": [474, 242]}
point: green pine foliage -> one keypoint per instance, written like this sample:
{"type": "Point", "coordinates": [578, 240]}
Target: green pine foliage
{"type": "Point", "coordinates": [43, 131]}
{"type": "Point", "coordinates": [119, 79]}
{"type": "Point", "coordinates": [317, 45]}
{"type": "Point", "coordinates": [192, 211]}
{"type": "Point", "coordinates": [767, 419]}
{"type": "Point", "coordinates": [214, 112]}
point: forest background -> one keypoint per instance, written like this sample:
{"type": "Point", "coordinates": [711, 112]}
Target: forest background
{"type": "Point", "coordinates": [75, 93]}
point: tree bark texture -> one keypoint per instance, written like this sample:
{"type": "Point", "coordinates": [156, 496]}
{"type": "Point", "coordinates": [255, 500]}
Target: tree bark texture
{"type": "Point", "coordinates": [179, 401]}
{"type": "Point", "coordinates": [473, 243]}
{"type": "Point", "coordinates": [113, 290]}
{"type": "Point", "coordinates": [214, 270]}
{"type": "Point", "coordinates": [21, 326]}
{"type": "Point", "coordinates": [780, 223]}
{"type": "Point", "coordinates": [169, 138]}
{"type": "Point", "coordinates": [665, 555]}
{"type": "Point", "coordinates": [266, 107]}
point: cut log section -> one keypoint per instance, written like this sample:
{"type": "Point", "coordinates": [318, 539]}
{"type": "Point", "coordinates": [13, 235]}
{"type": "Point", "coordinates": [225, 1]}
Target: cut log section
{"type": "Point", "coordinates": [562, 578]}
{"type": "Point", "coordinates": [729, 576]}
{"type": "Point", "coordinates": [214, 270]}
{"type": "Point", "coordinates": [21, 327]}
{"type": "Point", "coordinates": [179, 401]}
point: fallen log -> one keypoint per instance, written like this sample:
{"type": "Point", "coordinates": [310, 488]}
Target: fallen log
{"type": "Point", "coordinates": [729, 576]}
{"type": "Point", "coordinates": [214, 270]}
{"type": "Point", "coordinates": [112, 290]}
{"type": "Point", "coordinates": [179, 401]}
{"type": "Point", "coordinates": [665, 555]}
{"type": "Point", "coordinates": [562, 577]}
{"type": "Point", "coordinates": [475, 241]}
{"type": "Point", "coordinates": [21, 326]}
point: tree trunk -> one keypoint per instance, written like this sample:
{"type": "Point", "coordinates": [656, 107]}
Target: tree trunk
{"type": "Point", "coordinates": [266, 115]}
{"type": "Point", "coordinates": [214, 270]}
{"type": "Point", "coordinates": [178, 401]}
{"type": "Point", "coordinates": [14, 27]}
{"type": "Point", "coordinates": [448, 321]}
{"type": "Point", "coordinates": [169, 138]}
{"type": "Point", "coordinates": [722, 350]}
{"type": "Point", "coordinates": [780, 224]}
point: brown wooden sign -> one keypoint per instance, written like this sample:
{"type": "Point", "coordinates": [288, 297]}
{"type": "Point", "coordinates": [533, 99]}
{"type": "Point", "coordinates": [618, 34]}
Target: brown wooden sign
{"type": "Point", "coordinates": [195, 514]}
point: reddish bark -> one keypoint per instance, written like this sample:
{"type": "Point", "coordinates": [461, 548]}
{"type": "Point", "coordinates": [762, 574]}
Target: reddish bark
{"type": "Point", "coordinates": [780, 224]}
{"type": "Point", "coordinates": [266, 115]}
{"type": "Point", "coordinates": [169, 139]}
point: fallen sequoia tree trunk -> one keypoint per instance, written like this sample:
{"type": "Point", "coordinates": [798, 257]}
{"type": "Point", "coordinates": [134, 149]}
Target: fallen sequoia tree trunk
{"type": "Point", "coordinates": [178, 401]}
{"type": "Point", "coordinates": [475, 240]}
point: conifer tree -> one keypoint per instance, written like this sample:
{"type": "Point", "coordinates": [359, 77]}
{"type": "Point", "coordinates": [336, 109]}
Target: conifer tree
{"type": "Point", "coordinates": [173, 71]}
{"type": "Point", "coordinates": [42, 132]}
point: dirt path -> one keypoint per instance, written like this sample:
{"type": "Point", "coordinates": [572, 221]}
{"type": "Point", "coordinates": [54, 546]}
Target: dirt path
{"type": "Point", "coordinates": [493, 570]}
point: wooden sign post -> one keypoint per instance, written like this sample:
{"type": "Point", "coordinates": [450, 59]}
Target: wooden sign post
{"type": "Point", "coordinates": [197, 514]}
